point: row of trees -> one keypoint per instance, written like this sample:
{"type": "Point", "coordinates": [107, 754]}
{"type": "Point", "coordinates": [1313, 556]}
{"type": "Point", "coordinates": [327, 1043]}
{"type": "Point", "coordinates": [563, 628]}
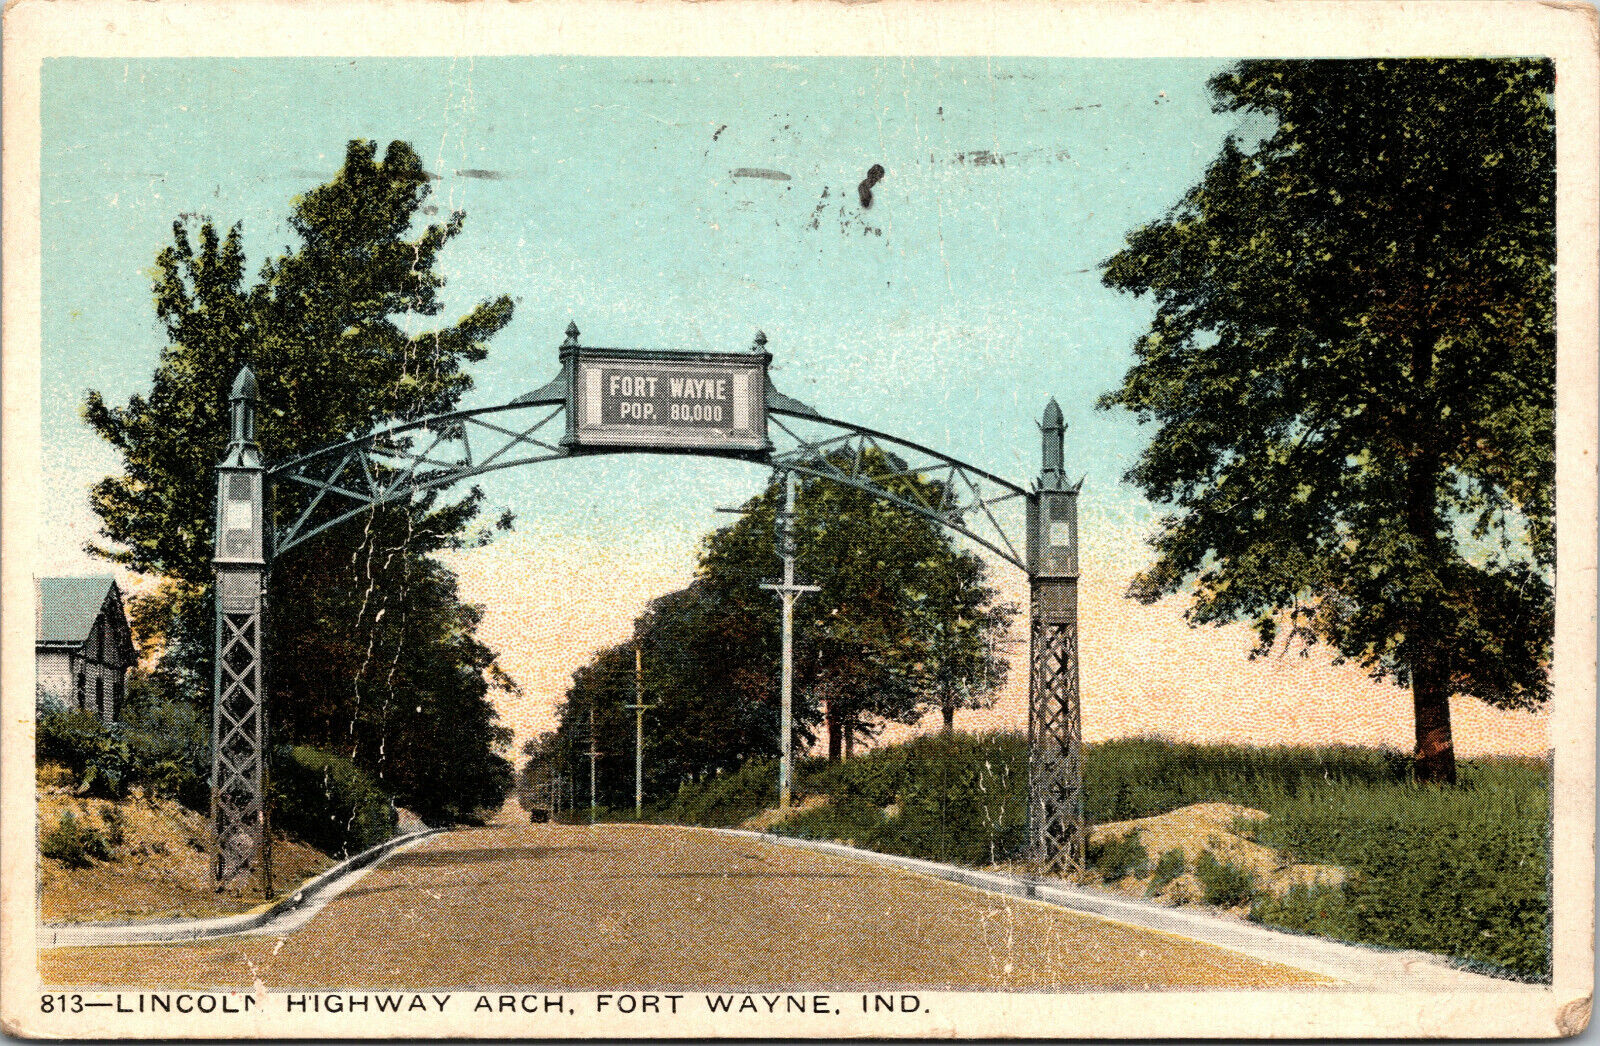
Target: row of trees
{"type": "Point", "coordinates": [904, 623]}
{"type": "Point", "coordinates": [373, 656]}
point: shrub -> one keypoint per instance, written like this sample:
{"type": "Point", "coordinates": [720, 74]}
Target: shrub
{"type": "Point", "coordinates": [1118, 858]}
{"type": "Point", "coordinates": [726, 799]}
{"type": "Point", "coordinates": [73, 843]}
{"type": "Point", "coordinates": [1169, 866]}
{"type": "Point", "coordinates": [1226, 884]}
{"type": "Point", "coordinates": [162, 744]}
{"type": "Point", "coordinates": [1483, 844]}
{"type": "Point", "coordinates": [1142, 777]}
{"type": "Point", "coordinates": [328, 802]}
{"type": "Point", "coordinates": [1320, 909]}
{"type": "Point", "coordinates": [94, 752]}
{"type": "Point", "coordinates": [169, 745]}
{"type": "Point", "coordinates": [116, 825]}
{"type": "Point", "coordinates": [960, 798]}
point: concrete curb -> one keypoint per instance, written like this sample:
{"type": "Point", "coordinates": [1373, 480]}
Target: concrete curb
{"type": "Point", "coordinates": [285, 915]}
{"type": "Point", "coordinates": [1357, 966]}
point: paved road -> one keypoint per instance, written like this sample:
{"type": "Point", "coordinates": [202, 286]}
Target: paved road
{"type": "Point", "coordinates": [578, 908]}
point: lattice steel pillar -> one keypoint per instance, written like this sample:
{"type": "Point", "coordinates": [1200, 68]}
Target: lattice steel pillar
{"type": "Point", "coordinates": [241, 844]}
{"type": "Point", "coordinates": [1058, 830]}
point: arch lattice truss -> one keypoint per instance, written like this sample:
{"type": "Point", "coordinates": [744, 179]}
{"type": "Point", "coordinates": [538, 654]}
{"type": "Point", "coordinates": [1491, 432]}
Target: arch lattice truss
{"type": "Point", "coordinates": [346, 479]}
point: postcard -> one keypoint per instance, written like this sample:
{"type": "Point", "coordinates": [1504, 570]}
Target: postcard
{"type": "Point", "coordinates": [806, 520]}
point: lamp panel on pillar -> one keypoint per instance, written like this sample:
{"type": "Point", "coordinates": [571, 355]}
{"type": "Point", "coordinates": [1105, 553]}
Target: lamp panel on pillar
{"type": "Point", "coordinates": [1058, 830]}
{"type": "Point", "coordinates": [241, 845]}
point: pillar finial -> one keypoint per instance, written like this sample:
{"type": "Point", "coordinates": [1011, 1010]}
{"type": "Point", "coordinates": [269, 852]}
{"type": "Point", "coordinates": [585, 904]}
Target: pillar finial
{"type": "Point", "coordinates": [1053, 428]}
{"type": "Point", "coordinates": [242, 402]}
{"type": "Point", "coordinates": [760, 344]}
{"type": "Point", "coordinates": [244, 385]}
{"type": "Point", "coordinates": [572, 336]}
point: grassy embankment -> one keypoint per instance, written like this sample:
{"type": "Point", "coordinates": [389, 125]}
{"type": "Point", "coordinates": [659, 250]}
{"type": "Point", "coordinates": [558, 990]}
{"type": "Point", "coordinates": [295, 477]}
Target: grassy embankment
{"type": "Point", "coordinates": [140, 856]}
{"type": "Point", "coordinates": [121, 824]}
{"type": "Point", "coordinates": [1461, 872]}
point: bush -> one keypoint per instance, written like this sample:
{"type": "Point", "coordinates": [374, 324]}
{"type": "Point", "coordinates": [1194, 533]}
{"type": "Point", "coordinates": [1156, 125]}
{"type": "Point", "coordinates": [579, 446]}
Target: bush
{"type": "Point", "coordinates": [1321, 909]}
{"type": "Point", "coordinates": [94, 752]}
{"type": "Point", "coordinates": [1226, 884]}
{"type": "Point", "coordinates": [169, 745]}
{"type": "Point", "coordinates": [961, 798]}
{"type": "Point", "coordinates": [162, 745]}
{"type": "Point", "coordinates": [1142, 777]}
{"type": "Point", "coordinates": [1169, 866]}
{"type": "Point", "coordinates": [74, 843]}
{"type": "Point", "coordinates": [1484, 844]}
{"type": "Point", "coordinates": [1118, 858]}
{"type": "Point", "coordinates": [116, 825]}
{"type": "Point", "coordinates": [724, 799]}
{"type": "Point", "coordinates": [328, 802]}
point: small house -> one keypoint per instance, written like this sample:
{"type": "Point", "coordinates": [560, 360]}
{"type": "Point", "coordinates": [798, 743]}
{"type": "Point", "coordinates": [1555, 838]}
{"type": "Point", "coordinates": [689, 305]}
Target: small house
{"type": "Point", "coordinates": [83, 647]}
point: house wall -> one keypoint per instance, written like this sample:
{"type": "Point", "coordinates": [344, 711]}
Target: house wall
{"type": "Point", "coordinates": [55, 674]}
{"type": "Point", "coordinates": [102, 689]}
{"type": "Point", "coordinates": [91, 678]}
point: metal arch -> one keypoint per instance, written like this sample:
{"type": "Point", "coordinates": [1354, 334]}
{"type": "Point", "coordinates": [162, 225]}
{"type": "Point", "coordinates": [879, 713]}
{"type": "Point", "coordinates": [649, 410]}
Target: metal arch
{"type": "Point", "coordinates": [364, 472]}
{"type": "Point", "coordinates": [361, 473]}
{"type": "Point", "coordinates": [385, 466]}
{"type": "Point", "coordinates": [843, 459]}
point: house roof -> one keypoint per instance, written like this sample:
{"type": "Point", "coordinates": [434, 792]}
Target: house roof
{"type": "Point", "coordinates": [65, 608]}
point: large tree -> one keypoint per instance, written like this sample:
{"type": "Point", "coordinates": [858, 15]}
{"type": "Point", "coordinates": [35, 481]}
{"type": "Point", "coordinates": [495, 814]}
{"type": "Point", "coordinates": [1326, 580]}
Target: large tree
{"type": "Point", "coordinates": [1351, 371]}
{"type": "Point", "coordinates": [372, 653]}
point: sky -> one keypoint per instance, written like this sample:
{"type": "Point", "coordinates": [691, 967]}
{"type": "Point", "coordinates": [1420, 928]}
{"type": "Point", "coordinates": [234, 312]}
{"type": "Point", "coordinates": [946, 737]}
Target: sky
{"type": "Point", "coordinates": [617, 194]}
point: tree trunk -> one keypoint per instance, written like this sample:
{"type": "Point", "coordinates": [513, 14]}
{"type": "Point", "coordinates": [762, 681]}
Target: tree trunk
{"type": "Point", "coordinates": [1430, 655]}
{"type": "Point", "coordinates": [949, 710]}
{"type": "Point", "coordinates": [1430, 699]}
{"type": "Point", "coordinates": [833, 734]}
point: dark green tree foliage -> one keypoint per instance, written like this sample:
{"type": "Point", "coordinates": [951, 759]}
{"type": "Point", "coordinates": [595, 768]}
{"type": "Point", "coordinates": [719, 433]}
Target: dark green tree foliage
{"type": "Point", "coordinates": [903, 622]}
{"type": "Point", "coordinates": [328, 802]}
{"type": "Point", "coordinates": [709, 710]}
{"type": "Point", "coordinates": [1351, 370]}
{"type": "Point", "coordinates": [372, 654]}
{"type": "Point", "coordinates": [903, 618]}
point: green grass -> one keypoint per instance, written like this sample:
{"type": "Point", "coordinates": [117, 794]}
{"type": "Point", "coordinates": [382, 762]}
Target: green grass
{"type": "Point", "coordinates": [1463, 871]}
{"type": "Point", "coordinates": [725, 800]}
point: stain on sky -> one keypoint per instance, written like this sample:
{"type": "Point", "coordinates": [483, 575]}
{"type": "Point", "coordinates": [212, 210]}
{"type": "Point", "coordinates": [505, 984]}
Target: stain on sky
{"type": "Point", "coordinates": [476, 172]}
{"type": "Point", "coordinates": [874, 176]}
{"type": "Point", "coordinates": [995, 158]}
{"type": "Point", "coordinates": [759, 172]}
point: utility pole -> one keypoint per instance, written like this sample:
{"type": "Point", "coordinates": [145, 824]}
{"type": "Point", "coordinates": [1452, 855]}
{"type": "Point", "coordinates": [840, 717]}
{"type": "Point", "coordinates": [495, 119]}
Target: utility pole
{"type": "Point", "coordinates": [787, 592]}
{"type": "Point", "coordinates": [639, 708]}
{"type": "Point", "coordinates": [594, 757]}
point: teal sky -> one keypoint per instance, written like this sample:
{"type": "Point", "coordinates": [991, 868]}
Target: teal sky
{"type": "Point", "coordinates": [603, 191]}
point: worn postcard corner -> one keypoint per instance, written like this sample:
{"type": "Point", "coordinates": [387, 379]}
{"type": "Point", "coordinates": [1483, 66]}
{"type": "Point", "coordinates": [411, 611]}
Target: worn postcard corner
{"type": "Point", "coordinates": [793, 520]}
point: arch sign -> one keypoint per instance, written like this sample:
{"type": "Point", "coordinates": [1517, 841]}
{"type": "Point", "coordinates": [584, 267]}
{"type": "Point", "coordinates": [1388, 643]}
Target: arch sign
{"type": "Point", "coordinates": [622, 401]}
{"type": "Point", "coordinates": [690, 402]}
